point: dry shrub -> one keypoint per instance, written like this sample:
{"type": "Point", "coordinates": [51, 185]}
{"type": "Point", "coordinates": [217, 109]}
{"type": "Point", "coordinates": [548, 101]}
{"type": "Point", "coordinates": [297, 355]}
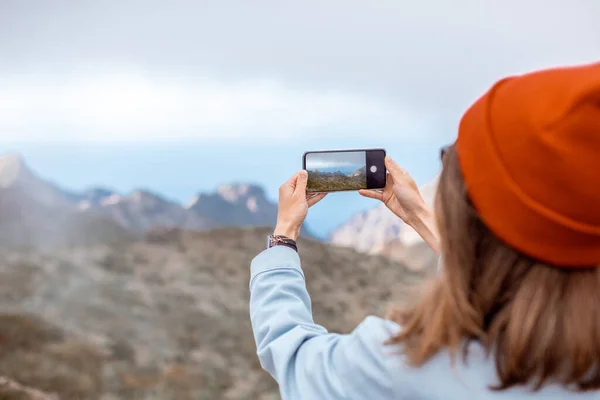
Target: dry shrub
{"type": "Point", "coordinates": [176, 377]}
{"type": "Point", "coordinates": [11, 390]}
{"type": "Point", "coordinates": [140, 381]}
{"type": "Point", "coordinates": [41, 356]}
{"type": "Point", "coordinates": [183, 376]}
{"type": "Point", "coordinates": [20, 331]}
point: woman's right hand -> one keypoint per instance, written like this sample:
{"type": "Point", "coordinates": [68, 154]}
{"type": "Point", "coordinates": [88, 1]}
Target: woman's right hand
{"type": "Point", "coordinates": [401, 195]}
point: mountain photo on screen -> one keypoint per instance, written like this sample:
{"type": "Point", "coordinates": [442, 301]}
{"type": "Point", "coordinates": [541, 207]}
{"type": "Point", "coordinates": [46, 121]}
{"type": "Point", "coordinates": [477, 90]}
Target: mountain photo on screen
{"type": "Point", "coordinates": [336, 171]}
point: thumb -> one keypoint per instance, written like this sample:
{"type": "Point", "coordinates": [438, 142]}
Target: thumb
{"type": "Point", "coordinates": [392, 166]}
{"type": "Point", "coordinates": [288, 187]}
{"type": "Point", "coordinates": [301, 183]}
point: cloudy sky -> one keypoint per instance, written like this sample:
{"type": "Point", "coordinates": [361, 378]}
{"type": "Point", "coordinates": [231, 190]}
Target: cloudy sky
{"type": "Point", "coordinates": [348, 160]}
{"type": "Point", "coordinates": [299, 74]}
{"type": "Point", "coordinates": [148, 70]}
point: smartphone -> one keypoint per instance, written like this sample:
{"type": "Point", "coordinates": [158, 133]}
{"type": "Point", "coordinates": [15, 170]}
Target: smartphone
{"type": "Point", "coordinates": [342, 170]}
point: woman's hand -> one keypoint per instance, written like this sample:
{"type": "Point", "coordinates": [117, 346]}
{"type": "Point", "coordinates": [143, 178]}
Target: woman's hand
{"type": "Point", "coordinates": [294, 204]}
{"type": "Point", "coordinates": [401, 195]}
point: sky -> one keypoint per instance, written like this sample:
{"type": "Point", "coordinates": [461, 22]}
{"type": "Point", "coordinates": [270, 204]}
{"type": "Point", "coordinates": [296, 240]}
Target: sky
{"type": "Point", "coordinates": [342, 160]}
{"type": "Point", "coordinates": [179, 96]}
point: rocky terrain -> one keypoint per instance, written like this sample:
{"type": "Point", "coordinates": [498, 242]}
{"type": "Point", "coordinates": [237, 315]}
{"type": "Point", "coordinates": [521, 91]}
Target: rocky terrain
{"type": "Point", "coordinates": [141, 210]}
{"type": "Point", "coordinates": [166, 316]}
{"type": "Point", "coordinates": [108, 296]}
{"type": "Point", "coordinates": [330, 181]}
{"type": "Point", "coordinates": [379, 231]}
{"type": "Point", "coordinates": [11, 390]}
{"type": "Point", "coordinates": [360, 172]}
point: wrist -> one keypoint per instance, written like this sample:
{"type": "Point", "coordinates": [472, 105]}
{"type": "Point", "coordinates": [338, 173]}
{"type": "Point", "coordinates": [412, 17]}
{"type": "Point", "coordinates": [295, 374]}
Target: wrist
{"type": "Point", "coordinates": [424, 224]}
{"type": "Point", "coordinates": [287, 230]}
{"type": "Point", "coordinates": [419, 217]}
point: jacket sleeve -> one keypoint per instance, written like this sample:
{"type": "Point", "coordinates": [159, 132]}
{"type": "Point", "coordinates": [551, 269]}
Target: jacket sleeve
{"type": "Point", "coordinates": [306, 361]}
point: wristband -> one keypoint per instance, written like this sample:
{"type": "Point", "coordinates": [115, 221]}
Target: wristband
{"type": "Point", "coordinates": [280, 240]}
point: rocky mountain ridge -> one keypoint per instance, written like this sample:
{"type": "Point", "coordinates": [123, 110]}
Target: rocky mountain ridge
{"type": "Point", "coordinates": [30, 204]}
{"type": "Point", "coordinates": [37, 212]}
{"type": "Point", "coordinates": [327, 173]}
{"type": "Point", "coordinates": [360, 172]}
{"type": "Point", "coordinates": [379, 231]}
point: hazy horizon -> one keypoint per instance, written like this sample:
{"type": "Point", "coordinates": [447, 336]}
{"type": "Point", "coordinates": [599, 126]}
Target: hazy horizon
{"type": "Point", "coordinates": [156, 94]}
{"type": "Point", "coordinates": [178, 171]}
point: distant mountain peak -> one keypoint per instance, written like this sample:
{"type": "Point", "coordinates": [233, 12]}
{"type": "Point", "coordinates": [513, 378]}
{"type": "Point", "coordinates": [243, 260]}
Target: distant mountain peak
{"type": "Point", "coordinates": [370, 231]}
{"type": "Point", "coordinates": [12, 157]}
{"type": "Point", "coordinates": [361, 171]}
{"type": "Point", "coordinates": [252, 205]}
{"type": "Point", "coordinates": [18, 178]}
{"type": "Point", "coordinates": [231, 193]}
{"type": "Point", "coordinates": [141, 195]}
{"type": "Point", "coordinates": [98, 192]}
{"type": "Point", "coordinates": [193, 202]}
{"type": "Point", "coordinates": [237, 192]}
{"type": "Point", "coordinates": [236, 204]}
{"type": "Point", "coordinates": [147, 198]}
{"type": "Point", "coordinates": [12, 166]}
{"type": "Point", "coordinates": [112, 199]}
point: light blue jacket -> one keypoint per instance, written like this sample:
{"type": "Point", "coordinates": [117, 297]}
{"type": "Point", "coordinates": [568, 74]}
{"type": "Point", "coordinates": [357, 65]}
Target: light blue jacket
{"type": "Point", "coordinates": [310, 363]}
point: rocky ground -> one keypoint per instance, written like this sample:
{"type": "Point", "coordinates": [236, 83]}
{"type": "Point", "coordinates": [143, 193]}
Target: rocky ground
{"type": "Point", "coordinates": [166, 317]}
{"type": "Point", "coordinates": [324, 182]}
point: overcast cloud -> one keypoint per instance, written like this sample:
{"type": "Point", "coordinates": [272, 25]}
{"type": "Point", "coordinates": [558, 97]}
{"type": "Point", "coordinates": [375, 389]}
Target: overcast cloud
{"type": "Point", "coordinates": [146, 70]}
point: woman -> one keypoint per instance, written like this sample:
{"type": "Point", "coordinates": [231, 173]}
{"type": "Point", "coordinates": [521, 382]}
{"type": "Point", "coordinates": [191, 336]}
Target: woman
{"type": "Point", "coordinates": [514, 312]}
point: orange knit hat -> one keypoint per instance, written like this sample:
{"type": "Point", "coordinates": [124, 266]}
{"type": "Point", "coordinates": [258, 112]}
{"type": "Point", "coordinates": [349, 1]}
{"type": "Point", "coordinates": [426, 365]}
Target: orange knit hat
{"type": "Point", "coordinates": [529, 150]}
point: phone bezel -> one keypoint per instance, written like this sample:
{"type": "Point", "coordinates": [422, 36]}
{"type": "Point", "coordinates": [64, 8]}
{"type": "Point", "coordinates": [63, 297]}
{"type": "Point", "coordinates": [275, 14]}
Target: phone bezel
{"type": "Point", "coordinates": [341, 151]}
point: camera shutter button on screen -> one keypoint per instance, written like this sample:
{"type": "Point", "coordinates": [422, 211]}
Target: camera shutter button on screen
{"type": "Point", "coordinates": [373, 168]}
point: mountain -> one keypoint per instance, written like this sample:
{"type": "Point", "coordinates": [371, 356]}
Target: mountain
{"type": "Point", "coordinates": [317, 173]}
{"type": "Point", "coordinates": [166, 316]}
{"type": "Point", "coordinates": [143, 210]}
{"type": "Point", "coordinates": [235, 205]}
{"type": "Point", "coordinates": [360, 172]}
{"type": "Point", "coordinates": [16, 177]}
{"type": "Point", "coordinates": [36, 212]}
{"type": "Point", "coordinates": [93, 197]}
{"type": "Point", "coordinates": [375, 230]}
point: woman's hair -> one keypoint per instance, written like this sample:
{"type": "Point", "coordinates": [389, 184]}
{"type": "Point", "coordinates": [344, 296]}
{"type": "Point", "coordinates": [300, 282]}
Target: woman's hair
{"type": "Point", "coordinates": [541, 323]}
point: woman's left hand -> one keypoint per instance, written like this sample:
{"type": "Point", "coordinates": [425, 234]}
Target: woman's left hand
{"type": "Point", "coordinates": [294, 203]}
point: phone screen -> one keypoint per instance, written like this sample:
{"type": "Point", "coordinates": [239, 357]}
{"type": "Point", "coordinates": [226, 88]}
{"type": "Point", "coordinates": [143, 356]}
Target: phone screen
{"type": "Point", "coordinates": [341, 170]}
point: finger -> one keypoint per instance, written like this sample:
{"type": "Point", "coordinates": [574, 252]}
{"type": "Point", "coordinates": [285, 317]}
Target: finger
{"type": "Point", "coordinates": [389, 181]}
{"type": "Point", "coordinates": [315, 199]}
{"type": "Point", "coordinates": [289, 186]}
{"type": "Point", "coordinates": [292, 181]}
{"type": "Point", "coordinates": [301, 182]}
{"type": "Point", "coordinates": [372, 194]}
{"type": "Point", "coordinates": [393, 167]}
